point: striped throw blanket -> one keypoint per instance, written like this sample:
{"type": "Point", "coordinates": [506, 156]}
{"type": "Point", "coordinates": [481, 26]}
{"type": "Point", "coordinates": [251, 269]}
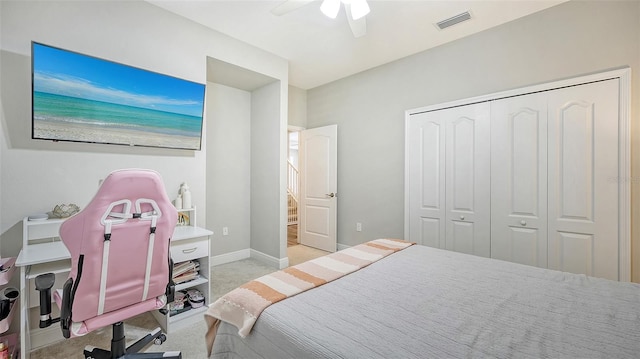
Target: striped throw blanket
{"type": "Point", "coordinates": [242, 306]}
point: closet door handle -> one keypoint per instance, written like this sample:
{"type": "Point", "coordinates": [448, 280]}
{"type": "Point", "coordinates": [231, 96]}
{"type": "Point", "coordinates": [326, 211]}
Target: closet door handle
{"type": "Point", "coordinates": [523, 222]}
{"type": "Point", "coordinates": [331, 195]}
{"type": "Point", "coordinates": [462, 218]}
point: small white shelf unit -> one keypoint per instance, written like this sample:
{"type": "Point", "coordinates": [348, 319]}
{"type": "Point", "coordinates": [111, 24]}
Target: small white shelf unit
{"type": "Point", "coordinates": [189, 243]}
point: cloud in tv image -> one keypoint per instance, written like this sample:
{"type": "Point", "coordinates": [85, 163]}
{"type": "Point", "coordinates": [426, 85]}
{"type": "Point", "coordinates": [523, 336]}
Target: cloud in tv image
{"type": "Point", "coordinates": [87, 99]}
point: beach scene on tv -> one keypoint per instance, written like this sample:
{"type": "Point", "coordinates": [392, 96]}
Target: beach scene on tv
{"type": "Point", "coordinates": [86, 99]}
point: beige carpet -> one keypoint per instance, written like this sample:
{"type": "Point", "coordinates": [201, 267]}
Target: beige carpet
{"type": "Point", "coordinates": [190, 341]}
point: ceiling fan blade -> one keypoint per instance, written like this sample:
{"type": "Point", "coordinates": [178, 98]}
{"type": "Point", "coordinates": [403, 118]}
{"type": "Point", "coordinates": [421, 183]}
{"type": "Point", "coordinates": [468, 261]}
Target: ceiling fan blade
{"type": "Point", "coordinates": [288, 6]}
{"type": "Point", "coordinates": [358, 27]}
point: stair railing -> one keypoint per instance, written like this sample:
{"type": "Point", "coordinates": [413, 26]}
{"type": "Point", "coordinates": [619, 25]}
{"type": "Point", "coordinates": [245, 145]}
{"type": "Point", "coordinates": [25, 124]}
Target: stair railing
{"type": "Point", "coordinates": [292, 189]}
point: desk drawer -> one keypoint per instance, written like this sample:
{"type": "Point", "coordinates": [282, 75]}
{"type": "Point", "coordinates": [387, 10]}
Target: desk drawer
{"type": "Point", "coordinates": [190, 249]}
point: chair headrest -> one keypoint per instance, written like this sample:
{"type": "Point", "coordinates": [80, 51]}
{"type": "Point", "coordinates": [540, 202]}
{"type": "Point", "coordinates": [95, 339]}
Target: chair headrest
{"type": "Point", "coordinates": [129, 191]}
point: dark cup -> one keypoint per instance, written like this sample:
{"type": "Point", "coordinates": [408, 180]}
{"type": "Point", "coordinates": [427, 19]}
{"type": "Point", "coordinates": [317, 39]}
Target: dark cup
{"type": "Point", "coordinates": [10, 293]}
{"type": "Point", "coordinates": [5, 308]}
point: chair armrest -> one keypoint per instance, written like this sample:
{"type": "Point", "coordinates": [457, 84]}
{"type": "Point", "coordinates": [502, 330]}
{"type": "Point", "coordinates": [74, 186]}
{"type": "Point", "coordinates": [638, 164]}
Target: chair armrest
{"type": "Point", "coordinates": [65, 310]}
{"type": "Point", "coordinates": [170, 292]}
{"type": "Point", "coordinates": [44, 283]}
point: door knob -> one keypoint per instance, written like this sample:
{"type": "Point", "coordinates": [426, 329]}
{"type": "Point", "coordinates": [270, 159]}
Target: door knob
{"type": "Point", "coordinates": [331, 194]}
{"type": "Point", "coordinates": [523, 222]}
{"type": "Point", "coordinates": [462, 218]}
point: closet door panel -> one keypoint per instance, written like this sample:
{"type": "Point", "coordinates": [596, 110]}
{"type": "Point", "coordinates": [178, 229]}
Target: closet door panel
{"type": "Point", "coordinates": [519, 179]}
{"type": "Point", "coordinates": [576, 251]}
{"type": "Point", "coordinates": [461, 236]}
{"type": "Point", "coordinates": [524, 247]}
{"type": "Point", "coordinates": [468, 179]}
{"type": "Point", "coordinates": [583, 184]}
{"type": "Point", "coordinates": [426, 146]}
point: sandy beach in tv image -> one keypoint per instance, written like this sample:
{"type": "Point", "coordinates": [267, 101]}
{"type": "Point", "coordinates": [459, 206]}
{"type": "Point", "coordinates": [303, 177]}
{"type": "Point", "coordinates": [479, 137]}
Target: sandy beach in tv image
{"type": "Point", "coordinates": [89, 133]}
{"type": "Point", "coordinates": [85, 99]}
{"type": "Point", "coordinates": [73, 119]}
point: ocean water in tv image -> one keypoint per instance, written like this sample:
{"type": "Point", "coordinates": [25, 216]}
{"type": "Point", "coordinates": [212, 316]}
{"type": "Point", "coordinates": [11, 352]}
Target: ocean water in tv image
{"type": "Point", "coordinates": [65, 117]}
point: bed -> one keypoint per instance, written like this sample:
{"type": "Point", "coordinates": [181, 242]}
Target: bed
{"type": "Point", "coordinates": [423, 302]}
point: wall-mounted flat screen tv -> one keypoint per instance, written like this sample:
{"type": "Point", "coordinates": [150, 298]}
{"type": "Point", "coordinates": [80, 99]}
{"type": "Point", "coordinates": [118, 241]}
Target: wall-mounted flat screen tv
{"type": "Point", "coordinates": [81, 98]}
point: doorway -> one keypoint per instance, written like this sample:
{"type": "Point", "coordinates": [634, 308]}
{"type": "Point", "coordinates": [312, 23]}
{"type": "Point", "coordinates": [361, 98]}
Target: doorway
{"type": "Point", "coordinates": [318, 188]}
{"type": "Point", "coordinates": [296, 252]}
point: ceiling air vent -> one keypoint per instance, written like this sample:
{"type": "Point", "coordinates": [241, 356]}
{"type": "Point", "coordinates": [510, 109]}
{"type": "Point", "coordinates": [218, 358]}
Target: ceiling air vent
{"type": "Point", "coordinates": [454, 20]}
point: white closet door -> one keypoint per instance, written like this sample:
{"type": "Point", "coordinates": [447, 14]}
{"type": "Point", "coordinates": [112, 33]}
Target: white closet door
{"type": "Point", "coordinates": [519, 179]}
{"type": "Point", "coordinates": [583, 183]}
{"type": "Point", "coordinates": [468, 227]}
{"type": "Point", "coordinates": [425, 151]}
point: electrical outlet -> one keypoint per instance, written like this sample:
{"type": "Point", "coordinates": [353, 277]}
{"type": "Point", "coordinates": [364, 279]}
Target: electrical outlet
{"type": "Point", "coordinates": [225, 231]}
{"type": "Point", "coordinates": [358, 227]}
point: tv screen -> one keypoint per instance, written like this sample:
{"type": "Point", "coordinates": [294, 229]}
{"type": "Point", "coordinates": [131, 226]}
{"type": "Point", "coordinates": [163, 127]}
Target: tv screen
{"type": "Point", "coordinates": [81, 98]}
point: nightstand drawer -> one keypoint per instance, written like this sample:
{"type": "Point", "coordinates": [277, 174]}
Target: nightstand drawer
{"type": "Point", "coordinates": [190, 249]}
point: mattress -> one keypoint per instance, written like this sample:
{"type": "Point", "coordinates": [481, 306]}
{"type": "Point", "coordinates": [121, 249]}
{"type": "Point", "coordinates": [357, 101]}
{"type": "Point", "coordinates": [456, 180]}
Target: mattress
{"type": "Point", "coordinates": [424, 302]}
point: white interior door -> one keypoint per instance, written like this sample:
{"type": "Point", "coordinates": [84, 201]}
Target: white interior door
{"type": "Point", "coordinates": [319, 187]}
{"type": "Point", "coordinates": [519, 179]}
{"type": "Point", "coordinates": [468, 175]}
{"type": "Point", "coordinates": [426, 162]}
{"type": "Point", "coordinates": [449, 178]}
{"type": "Point", "coordinates": [583, 179]}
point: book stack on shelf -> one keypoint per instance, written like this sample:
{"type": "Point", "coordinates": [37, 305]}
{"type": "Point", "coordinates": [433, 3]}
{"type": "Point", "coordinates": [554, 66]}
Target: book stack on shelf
{"type": "Point", "coordinates": [185, 271]}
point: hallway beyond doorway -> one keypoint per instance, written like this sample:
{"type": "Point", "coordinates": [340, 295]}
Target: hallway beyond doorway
{"type": "Point", "coordinates": [292, 235]}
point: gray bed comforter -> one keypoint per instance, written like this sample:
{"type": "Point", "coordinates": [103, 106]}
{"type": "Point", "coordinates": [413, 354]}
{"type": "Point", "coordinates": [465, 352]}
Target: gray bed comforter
{"type": "Point", "coordinates": [424, 302]}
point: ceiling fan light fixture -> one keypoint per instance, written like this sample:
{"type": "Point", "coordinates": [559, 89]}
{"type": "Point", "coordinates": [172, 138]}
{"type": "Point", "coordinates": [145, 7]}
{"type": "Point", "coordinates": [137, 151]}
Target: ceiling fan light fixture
{"type": "Point", "coordinates": [330, 8]}
{"type": "Point", "coordinates": [359, 8]}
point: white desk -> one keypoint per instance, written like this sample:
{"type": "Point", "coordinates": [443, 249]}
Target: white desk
{"type": "Point", "coordinates": [53, 257]}
{"type": "Point", "coordinates": [42, 253]}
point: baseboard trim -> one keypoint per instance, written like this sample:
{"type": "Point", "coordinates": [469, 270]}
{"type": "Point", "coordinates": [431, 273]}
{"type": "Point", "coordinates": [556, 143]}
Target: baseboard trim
{"type": "Point", "coordinates": [229, 257]}
{"type": "Point", "coordinates": [342, 246]}
{"type": "Point", "coordinates": [270, 260]}
{"type": "Point", "coordinates": [249, 253]}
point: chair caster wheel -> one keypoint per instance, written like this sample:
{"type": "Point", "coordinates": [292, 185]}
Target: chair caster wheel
{"type": "Point", "coordinates": [160, 339]}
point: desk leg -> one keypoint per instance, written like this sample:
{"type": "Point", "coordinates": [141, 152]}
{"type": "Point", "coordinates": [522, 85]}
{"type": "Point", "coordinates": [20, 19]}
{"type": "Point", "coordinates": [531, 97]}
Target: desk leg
{"type": "Point", "coordinates": [25, 338]}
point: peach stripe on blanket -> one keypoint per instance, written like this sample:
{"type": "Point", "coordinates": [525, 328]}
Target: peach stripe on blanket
{"type": "Point", "coordinates": [242, 306]}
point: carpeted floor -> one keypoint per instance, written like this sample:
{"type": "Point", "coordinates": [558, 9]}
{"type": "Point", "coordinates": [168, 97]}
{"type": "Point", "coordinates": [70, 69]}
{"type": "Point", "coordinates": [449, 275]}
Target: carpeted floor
{"type": "Point", "coordinates": [190, 341]}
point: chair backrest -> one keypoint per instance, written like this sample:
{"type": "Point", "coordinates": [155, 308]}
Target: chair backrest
{"type": "Point", "coordinates": [117, 258]}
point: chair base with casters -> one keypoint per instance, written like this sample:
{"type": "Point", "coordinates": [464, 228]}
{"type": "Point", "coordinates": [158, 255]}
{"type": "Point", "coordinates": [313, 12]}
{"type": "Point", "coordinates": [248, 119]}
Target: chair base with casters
{"type": "Point", "coordinates": [120, 350]}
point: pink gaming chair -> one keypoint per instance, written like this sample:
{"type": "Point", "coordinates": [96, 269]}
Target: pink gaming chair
{"type": "Point", "coordinates": [120, 262]}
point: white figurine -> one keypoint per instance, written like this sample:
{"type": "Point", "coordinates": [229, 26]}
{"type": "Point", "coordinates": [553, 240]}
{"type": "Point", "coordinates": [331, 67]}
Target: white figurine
{"type": "Point", "coordinates": [186, 196]}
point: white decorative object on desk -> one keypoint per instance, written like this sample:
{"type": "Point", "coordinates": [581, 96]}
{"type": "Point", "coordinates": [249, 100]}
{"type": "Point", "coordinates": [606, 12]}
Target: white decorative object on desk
{"type": "Point", "coordinates": [178, 202]}
{"type": "Point", "coordinates": [186, 197]}
{"type": "Point", "coordinates": [64, 210]}
{"type": "Point", "coordinates": [38, 217]}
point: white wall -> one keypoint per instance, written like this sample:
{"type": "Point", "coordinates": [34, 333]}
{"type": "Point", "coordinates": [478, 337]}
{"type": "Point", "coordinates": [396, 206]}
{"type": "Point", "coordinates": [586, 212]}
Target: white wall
{"type": "Point", "coordinates": [571, 39]}
{"type": "Point", "coordinates": [228, 167]}
{"type": "Point", "coordinates": [37, 175]}
{"type": "Point", "coordinates": [297, 107]}
{"type": "Point", "coordinates": [268, 227]}
{"type": "Point", "coordinates": [244, 166]}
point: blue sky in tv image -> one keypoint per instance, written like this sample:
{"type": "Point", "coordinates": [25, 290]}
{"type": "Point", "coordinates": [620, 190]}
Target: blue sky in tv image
{"type": "Point", "coordinates": [67, 73]}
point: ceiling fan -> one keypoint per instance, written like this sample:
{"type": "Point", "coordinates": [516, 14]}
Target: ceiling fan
{"type": "Point", "coordinates": [355, 9]}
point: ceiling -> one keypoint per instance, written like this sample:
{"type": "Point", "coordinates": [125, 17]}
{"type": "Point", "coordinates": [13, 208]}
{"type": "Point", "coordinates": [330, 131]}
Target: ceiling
{"type": "Point", "coordinates": [321, 50]}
